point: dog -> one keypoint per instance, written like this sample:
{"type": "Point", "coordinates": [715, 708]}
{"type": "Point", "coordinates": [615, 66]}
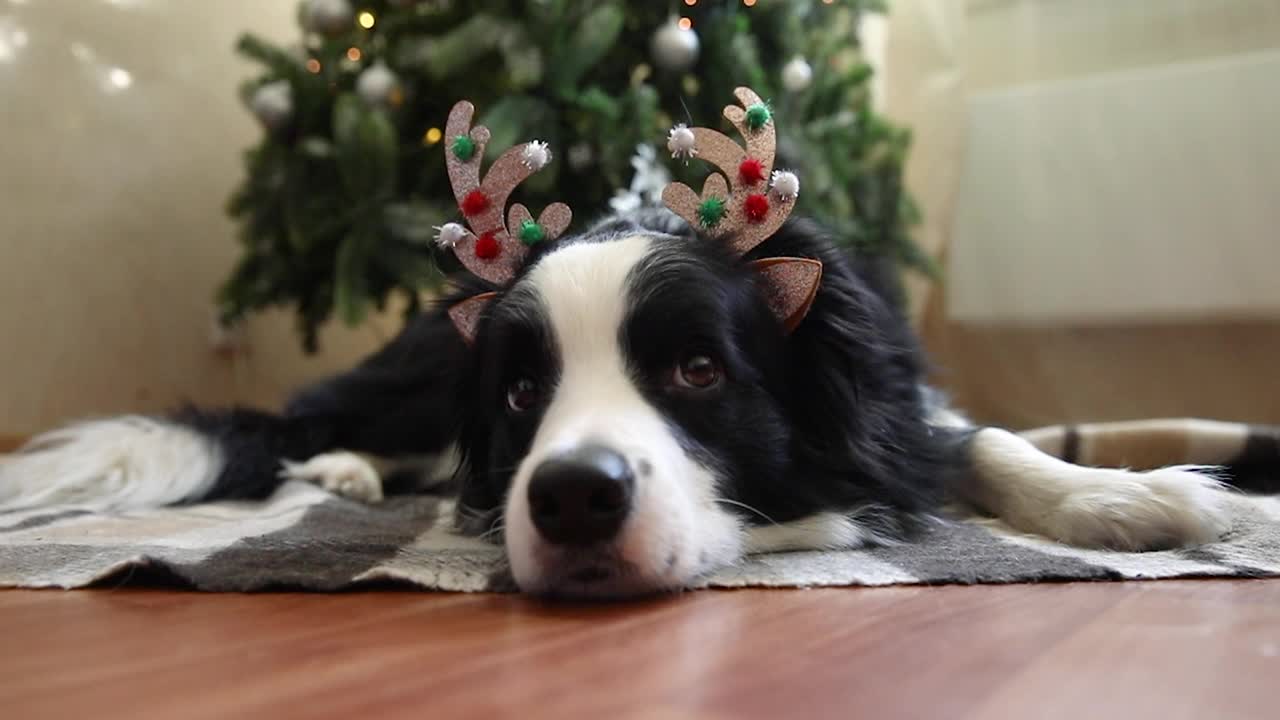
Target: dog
{"type": "Point", "coordinates": [630, 418]}
{"type": "Point", "coordinates": [637, 405]}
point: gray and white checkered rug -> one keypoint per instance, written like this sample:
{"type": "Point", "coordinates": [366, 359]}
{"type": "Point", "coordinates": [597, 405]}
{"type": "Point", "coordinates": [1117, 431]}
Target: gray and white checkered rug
{"type": "Point", "coordinates": [305, 538]}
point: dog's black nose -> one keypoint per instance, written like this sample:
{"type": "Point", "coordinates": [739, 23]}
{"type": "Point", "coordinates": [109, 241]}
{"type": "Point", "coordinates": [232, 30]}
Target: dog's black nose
{"type": "Point", "coordinates": [581, 497]}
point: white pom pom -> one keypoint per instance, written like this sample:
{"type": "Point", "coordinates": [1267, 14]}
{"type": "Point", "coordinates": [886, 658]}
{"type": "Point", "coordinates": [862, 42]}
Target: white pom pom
{"type": "Point", "coordinates": [536, 155]}
{"type": "Point", "coordinates": [449, 234]}
{"type": "Point", "coordinates": [681, 142]}
{"type": "Point", "coordinates": [786, 184]}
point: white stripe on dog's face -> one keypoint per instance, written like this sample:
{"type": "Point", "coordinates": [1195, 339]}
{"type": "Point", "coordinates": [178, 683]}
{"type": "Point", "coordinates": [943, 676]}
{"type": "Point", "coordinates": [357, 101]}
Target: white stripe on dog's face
{"type": "Point", "coordinates": [675, 529]}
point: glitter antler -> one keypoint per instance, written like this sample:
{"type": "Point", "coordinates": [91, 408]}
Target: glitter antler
{"type": "Point", "coordinates": [751, 206]}
{"type": "Point", "coordinates": [494, 250]}
{"type": "Point", "coordinates": [755, 201]}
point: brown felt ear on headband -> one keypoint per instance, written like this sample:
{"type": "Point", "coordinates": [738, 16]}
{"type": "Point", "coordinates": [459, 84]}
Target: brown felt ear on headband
{"type": "Point", "coordinates": [790, 285]}
{"type": "Point", "coordinates": [466, 315]}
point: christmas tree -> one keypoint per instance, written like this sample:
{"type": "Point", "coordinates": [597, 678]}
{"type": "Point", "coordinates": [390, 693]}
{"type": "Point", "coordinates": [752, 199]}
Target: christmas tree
{"type": "Point", "coordinates": [340, 197]}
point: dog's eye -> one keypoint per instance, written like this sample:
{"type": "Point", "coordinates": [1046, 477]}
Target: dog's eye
{"type": "Point", "coordinates": [523, 394]}
{"type": "Point", "coordinates": [697, 371]}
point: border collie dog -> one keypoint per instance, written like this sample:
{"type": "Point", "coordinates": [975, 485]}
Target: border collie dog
{"type": "Point", "coordinates": [631, 415]}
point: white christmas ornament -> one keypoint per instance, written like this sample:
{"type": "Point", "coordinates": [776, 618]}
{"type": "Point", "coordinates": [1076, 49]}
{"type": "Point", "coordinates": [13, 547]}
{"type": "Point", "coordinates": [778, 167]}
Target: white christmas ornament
{"type": "Point", "coordinates": [647, 184]}
{"type": "Point", "coordinates": [273, 104]}
{"type": "Point", "coordinates": [449, 234]}
{"type": "Point", "coordinates": [786, 184]}
{"type": "Point", "coordinates": [328, 16]}
{"type": "Point", "coordinates": [674, 48]}
{"type": "Point", "coordinates": [376, 84]}
{"type": "Point", "coordinates": [796, 74]}
{"type": "Point", "coordinates": [536, 155]}
{"type": "Point", "coordinates": [580, 156]}
{"type": "Point", "coordinates": [681, 142]}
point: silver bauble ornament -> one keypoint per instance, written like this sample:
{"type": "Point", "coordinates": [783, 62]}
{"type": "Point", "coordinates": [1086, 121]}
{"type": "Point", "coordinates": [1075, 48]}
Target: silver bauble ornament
{"type": "Point", "coordinates": [328, 16]}
{"type": "Point", "coordinates": [273, 104]}
{"type": "Point", "coordinates": [580, 156]}
{"type": "Point", "coordinates": [796, 74]}
{"type": "Point", "coordinates": [674, 48]}
{"type": "Point", "coordinates": [377, 84]}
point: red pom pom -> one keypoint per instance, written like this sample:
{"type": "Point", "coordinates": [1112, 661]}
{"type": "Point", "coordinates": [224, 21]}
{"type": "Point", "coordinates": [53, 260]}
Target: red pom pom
{"type": "Point", "coordinates": [756, 207]}
{"type": "Point", "coordinates": [474, 203]}
{"type": "Point", "coordinates": [487, 247]}
{"type": "Point", "coordinates": [751, 170]}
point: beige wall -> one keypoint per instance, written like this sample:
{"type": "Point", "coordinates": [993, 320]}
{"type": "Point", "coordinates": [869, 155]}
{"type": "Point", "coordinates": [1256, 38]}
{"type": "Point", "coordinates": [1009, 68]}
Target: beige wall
{"type": "Point", "coordinates": [943, 51]}
{"type": "Point", "coordinates": [112, 235]}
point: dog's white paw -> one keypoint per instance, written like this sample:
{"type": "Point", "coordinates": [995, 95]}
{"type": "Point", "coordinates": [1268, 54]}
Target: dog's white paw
{"type": "Point", "coordinates": [1121, 510]}
{"type": "Point", "coordinates": [342, 473]}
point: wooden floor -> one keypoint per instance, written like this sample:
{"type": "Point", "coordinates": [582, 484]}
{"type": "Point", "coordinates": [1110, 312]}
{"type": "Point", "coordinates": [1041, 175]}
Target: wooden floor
{"type": "Point", "coordinates": [1124, 650]}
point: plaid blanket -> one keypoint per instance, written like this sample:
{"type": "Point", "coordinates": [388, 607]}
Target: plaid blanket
{"type": "Point", "coordinates": [306, 538]}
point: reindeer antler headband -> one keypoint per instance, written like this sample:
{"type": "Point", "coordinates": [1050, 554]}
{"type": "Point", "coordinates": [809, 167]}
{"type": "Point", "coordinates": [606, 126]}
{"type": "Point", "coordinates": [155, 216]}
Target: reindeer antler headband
{"type": "Point", "coordinates": [492, 250]}
{"type": "Point", "coordinates": [743, 212]}
{"type": "Point", "coordinates": [753, 203]}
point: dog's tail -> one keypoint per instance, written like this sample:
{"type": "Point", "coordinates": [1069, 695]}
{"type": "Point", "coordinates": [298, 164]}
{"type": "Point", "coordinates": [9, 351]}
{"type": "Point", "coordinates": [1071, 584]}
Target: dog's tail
{"type": "Point", "coordinates": [1245, 456]}
{"type": "Point", "coordinates": [138, 461]}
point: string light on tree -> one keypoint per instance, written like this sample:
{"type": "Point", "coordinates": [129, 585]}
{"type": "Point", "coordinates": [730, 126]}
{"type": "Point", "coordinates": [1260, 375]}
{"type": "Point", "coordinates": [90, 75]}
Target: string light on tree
{"type": "Point", "coordinates": [797, 74]}
{"type": "Point", "coordinates": [366, 20]}
{"type": "Point", "coordinates": [675, 45]}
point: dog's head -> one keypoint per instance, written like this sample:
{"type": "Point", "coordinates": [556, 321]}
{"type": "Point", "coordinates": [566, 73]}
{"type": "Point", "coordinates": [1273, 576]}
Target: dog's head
{"type": "Point", "coordinates": [641, 395]}
{"type": "Point", "coordinates": [637, 411]}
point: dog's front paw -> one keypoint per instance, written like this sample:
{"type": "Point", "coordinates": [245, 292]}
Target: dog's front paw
{"type": "Point", "coordinates": [342, 473]}
{"type": "Point", "coordinates": [1120, 510]}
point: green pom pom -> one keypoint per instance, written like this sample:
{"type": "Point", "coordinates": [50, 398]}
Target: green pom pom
{"type": "Point", "coordinates": [531, 232]}
{"type": "Point", "coordinates": [711, 211]}
{"type": "Point", "coordinates": [463, 147]}
{"type": "Point", "coordinates": [758, 116]}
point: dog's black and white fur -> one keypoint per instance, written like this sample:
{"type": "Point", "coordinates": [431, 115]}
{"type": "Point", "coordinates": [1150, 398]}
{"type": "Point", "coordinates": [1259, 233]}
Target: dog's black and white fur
{"type": "Point", "coordinates": [632, 416]}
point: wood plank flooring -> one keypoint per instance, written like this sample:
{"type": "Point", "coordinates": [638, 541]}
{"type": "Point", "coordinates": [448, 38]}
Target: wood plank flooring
{"type": "Point", "coordinates": [1170, 649]}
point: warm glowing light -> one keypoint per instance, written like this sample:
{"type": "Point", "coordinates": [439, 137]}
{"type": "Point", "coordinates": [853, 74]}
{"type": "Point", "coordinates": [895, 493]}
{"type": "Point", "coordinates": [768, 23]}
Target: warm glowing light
{"type": "Point", "coordinates": [432, 136]}
{"type": "Point", "coordinates": [353, 54]}
{"type": "Point", "coordinates": [120, 78]}
{"type": "Point", "coordinates": [366, 19]}
{"type": "Point", "coordinates": [749, 3]}
{"type": "Point", "coordinates": [685, 23]}
{"type": "Point", "coordinates": [690, 3]}
{"type": "Point", "coordinates": [313, 65]}
{"type": "Point", "coordinates": [827, 2]}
